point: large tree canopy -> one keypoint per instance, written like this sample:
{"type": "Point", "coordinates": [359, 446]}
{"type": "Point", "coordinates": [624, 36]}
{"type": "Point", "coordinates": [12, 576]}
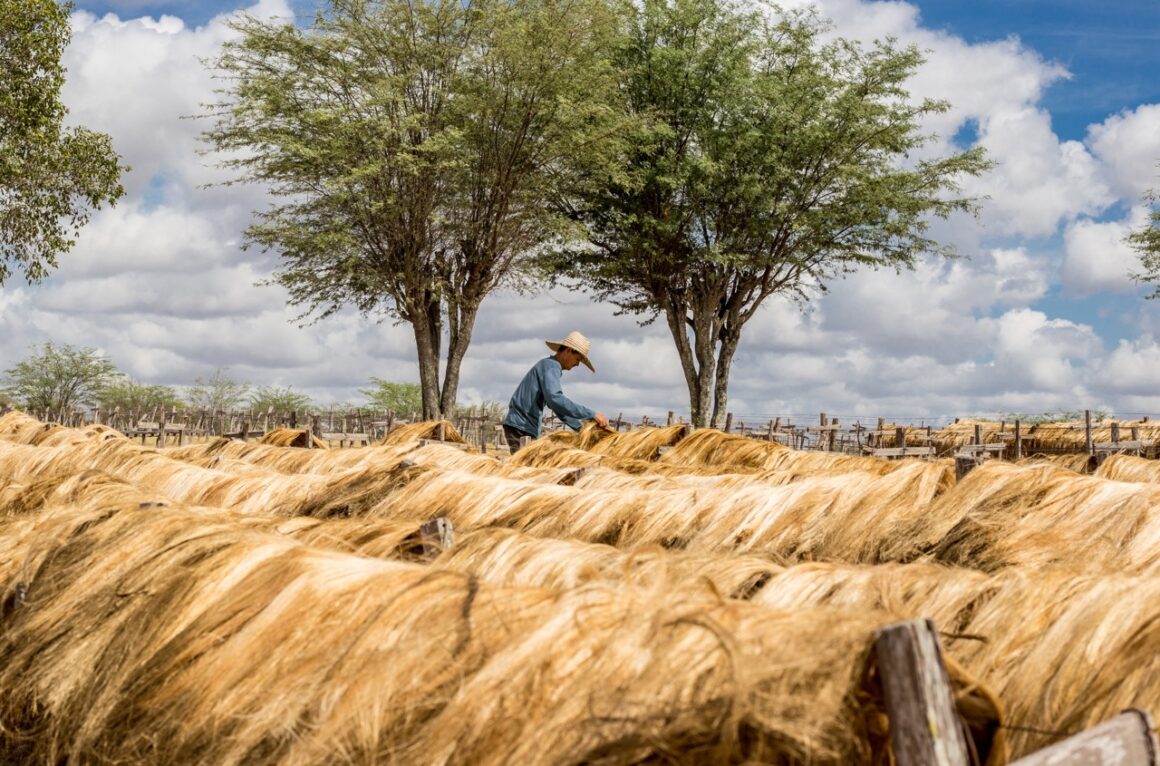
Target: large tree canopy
{"type": "Point", "coordinates": [51, 177]}
{"type": "Point", "coordinates": [771, 162]}
{"type": "Point", "coordinates": [411, 148]}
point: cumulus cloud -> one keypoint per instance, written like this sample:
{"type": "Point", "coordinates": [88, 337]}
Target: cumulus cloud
{"type": "Point", "coordinates": [1128, 144]}
{"type": "Point", "coordinates": [160, 283]}
{"type": "Point", "coordinates": [1096, 257]}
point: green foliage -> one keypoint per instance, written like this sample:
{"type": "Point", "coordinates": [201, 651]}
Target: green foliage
{"type": "Point", "coordinates": [128, 396]}
{"type": "Point", "coordinates": [59, 379]}
{"type": "Point", "coordinates": [1146, 242]}
{"type": "Point", "coordinates": [280, 399]}
{"type": "Point", "coordinates": [404, 398]}
{"type": "Point", "coordinates": [1060, 416]}
{"type": "Point", "coordinates": [490, 410]}
{"type": "Point", "coordinates": [770, 161]}
{"type": "Point", "coordinates": [218, 392]}
{"type": "Point", "coordinates": [412, 149]}
{"type": "Point", "coordinates": [50, 177]}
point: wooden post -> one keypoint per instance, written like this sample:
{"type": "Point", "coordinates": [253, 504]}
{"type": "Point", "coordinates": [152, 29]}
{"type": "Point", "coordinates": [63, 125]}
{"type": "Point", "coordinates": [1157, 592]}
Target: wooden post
{"type": "Point", "coordinates": [161, 429]}
{"type": "Point", "coordinates": [1126, 740]}
{"type": "Point", "coordinates": [925, 729]}
{"type": "Point", "coordinates": [316, 426]}
{"type": "Point", "coordinates": [900, 436]}
{"type": "Point", "coordinates": [1018, 441]}
{"type": "Point", "coordinates": [1115, 433]}
{"type": "Point", "coordinates": [1087, 429]}
{"type": "Point", "coordinates": [728, 422]}
{"type": "Point", "coordinates": [1135, 431]}
{"type": "Point", "coordinates": [437, 535]}
{"type": "Point", "coordinates": [964, 464]}
{"type": "Point", "coordinates": [390, 421]}
{"type": "Point", "coordinates": [978, 433]}
{"type": "Point", "coordinates": [769, 433]}
{"type": "Point", "coordinates": [439, 432]}
{"type": "Point", "coordinates": [833, 434]}
{"type": "Point", "coordinates": [669, 422]}
{"type": "Point", "coordinates": [619, 420]}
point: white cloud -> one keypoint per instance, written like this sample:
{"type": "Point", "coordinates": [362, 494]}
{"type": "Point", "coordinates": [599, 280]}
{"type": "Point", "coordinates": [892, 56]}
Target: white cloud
{"type": "Point", "coordinates": [1128, 144]}
{"type": "Point", "coordinates": [1097, 259]}
{"type": "Point", "coordinates": [161, 285]}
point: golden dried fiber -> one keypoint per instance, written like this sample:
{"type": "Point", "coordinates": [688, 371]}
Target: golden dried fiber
{"type": "Point", "coordinates": [1129, 468]}
{"type": "Point", "coordinates": [293, 437]}
{"type": "Point", "coordinates": [162, 637]}
{"type": "Point", "coordinates": [428, 429]}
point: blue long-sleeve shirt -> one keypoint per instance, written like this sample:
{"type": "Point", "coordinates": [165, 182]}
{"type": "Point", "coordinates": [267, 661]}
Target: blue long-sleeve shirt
{"type": "Point", "coordinates": [541, 388]}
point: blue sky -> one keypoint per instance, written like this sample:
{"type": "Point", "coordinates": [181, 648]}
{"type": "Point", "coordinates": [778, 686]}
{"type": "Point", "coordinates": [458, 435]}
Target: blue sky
{"type": "Point", "coordinates": [1038, 316]}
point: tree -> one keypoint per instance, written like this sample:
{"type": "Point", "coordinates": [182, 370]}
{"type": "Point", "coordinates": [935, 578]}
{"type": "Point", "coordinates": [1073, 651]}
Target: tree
{"type": "Point", "coordinates": [59, 379]}
{"type": "Point", "coordinates": [403, 398]}
{"type": "Point", "coordinates": [772, 163]}
{"type": "Point", "coordinates": [1146, 242]}
{"type": "Point", "coordinates": [278, 398]}
{"type": "Point", "coordinates": [412, 146]}
{"type": "Point", "coordinates": [51, 178]}
{"type": "Point", "coordinates": [218, 392]}
{"type": "Point", "coordinates": [127, 395]}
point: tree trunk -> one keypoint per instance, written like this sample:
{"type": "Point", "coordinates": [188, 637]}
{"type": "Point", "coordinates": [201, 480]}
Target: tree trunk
{"type": "Point", "coordinates": [730, 338]}
{"type": "Point", "coordinates": [428, 327]}
{"type": "Point", "coordinates": [698, 358]}
{"type": "Point", "coordinates": [462, 326]}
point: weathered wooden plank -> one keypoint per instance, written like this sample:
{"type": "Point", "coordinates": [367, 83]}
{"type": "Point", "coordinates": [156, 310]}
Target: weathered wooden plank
{"type": "Point", "coordinates": [924, 725]}
{"type": "Point", "coordinates": [1132, 444]}
{"type": "Point", "coordinates": [1126, 740]}
{"type": "Point", "coordinates": [457, 445]}
{"type": "Point", "coordinates": [899, 451]}
{"type": "Point", "coordinates": [969, 448]}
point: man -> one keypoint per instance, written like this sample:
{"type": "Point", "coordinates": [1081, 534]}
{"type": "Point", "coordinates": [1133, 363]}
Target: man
{"type": "Point", "coordinates": [541, 388]}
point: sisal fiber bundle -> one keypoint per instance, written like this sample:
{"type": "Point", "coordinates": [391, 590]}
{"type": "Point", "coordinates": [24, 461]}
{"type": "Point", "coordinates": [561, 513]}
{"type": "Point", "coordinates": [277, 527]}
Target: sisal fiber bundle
{"type": "Point", "coordinates": [427, 429]}
{"type": "Point", "coordinates": [293, 437]}
{"type": "Point", "coordinates": [159, 636]}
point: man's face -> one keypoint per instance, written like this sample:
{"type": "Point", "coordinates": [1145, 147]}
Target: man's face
{"type": "Point", "coordinates": [568, 357]}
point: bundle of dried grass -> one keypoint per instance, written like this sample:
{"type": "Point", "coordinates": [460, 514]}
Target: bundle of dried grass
{"type": "Point", "coordinates": [1072, 435]}
{"type": "Point", "coordinates": [707, 447]}
{"type": "Point", "coordinates": [951, 437]}
{"type": "Point", "coordinates": [637, 444]}
{"type": "Point", "coordinates": [1003, 515]}
{"type": "Point", "coordinates": [1130, 468]}
{"type": "Point", "coordinates": [710, 447]}
{"type": "Point", "coordinates": [437, 667]}
{"type": "Point", "coordinates": [19, 428]}
{"type": "Point", "coordinates": [257, 491]}
{"type": "Point", "coordinates": [293, 437]}
{"type": "Point", "coordinates": [847, 517]}
{"type": "Point", "coordinates": [1080, 462]}
{"type": "Point", "coordinates": [428, 429]}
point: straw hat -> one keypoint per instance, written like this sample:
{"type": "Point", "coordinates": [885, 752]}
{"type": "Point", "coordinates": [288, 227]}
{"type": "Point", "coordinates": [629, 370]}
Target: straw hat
{"type": "Point", "coordinates": [577, 343]}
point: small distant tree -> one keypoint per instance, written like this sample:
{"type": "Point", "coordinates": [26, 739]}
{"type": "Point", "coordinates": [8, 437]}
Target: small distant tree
{"type": "Point", "coordinates": [1146, 242]}
{"type": "Point", "coordinates": [51, 177]}
{"type": "Point", "coordinates": [59, 379]}
{"type": "Point", "coordinates": [280, 399]}
{"type": "Point", "coordinates": [218, 392]}
{"type": "Point", "coordinates": [403, 398]}
{"type": "Point", "coordinates": [128, 396]}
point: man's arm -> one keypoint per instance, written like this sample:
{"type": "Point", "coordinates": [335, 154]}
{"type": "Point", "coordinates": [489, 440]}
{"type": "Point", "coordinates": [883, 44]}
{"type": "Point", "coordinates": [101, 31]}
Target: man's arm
{"type": "Point", "coordinates": [567, 410]}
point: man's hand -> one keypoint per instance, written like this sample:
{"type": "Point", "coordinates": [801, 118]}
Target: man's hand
{"type": "Point", "coordinates": [601, 420]}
